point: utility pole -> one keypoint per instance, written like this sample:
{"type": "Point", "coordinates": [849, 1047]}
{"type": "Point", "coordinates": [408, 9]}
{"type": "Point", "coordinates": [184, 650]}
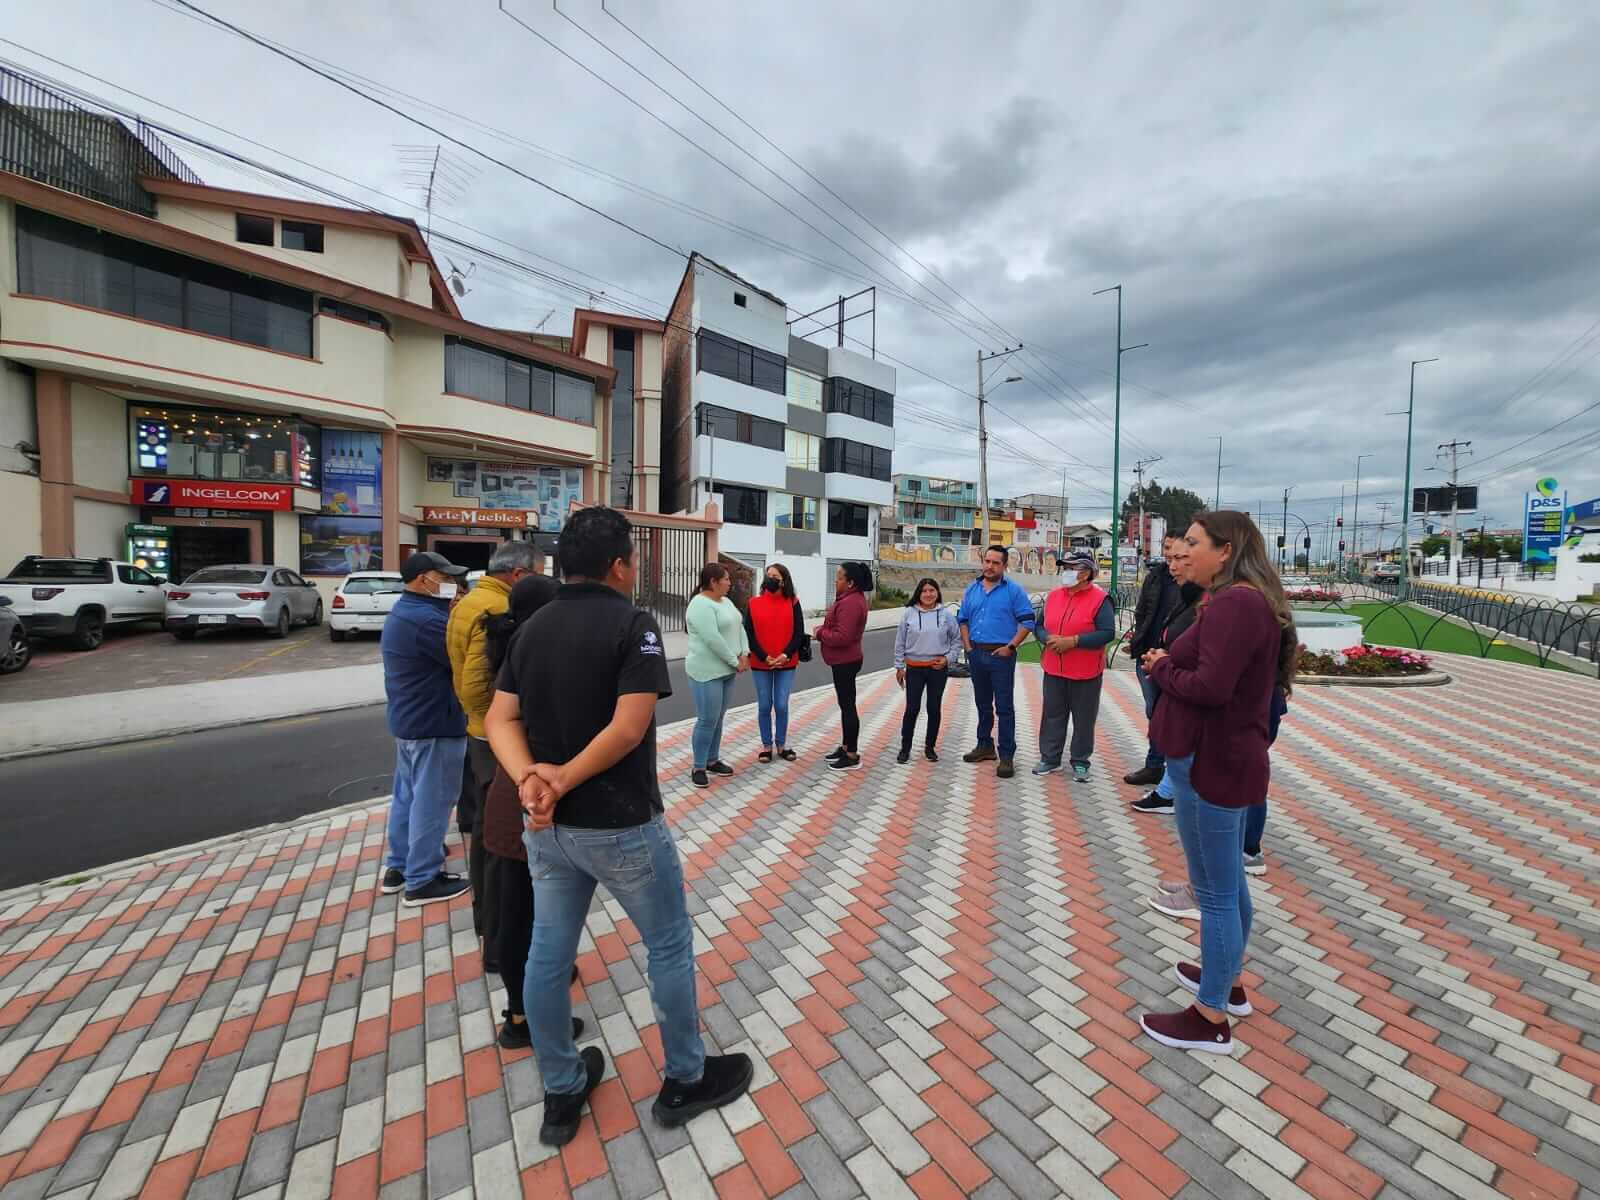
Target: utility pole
{"type": "Point", "coordinates": [1405, 495]}
{"type": "Point", "coordinates": [1116, 438]}
{"type": "Point", "coordinates": [1138, 474]}
{"type": "Point", "coordinates": [1061, 538]}
{"type": "Point", "coordinates": [1356, 518]}
{"type": "Point", "coordinates": [983, 438]}
{"type": "Point", "coordinates": [1383, 521]}
{"type": "Point", "coordinates": [1340, 527]}
{"type": "Point", "coordinates": [1454, 448]}
{"type": "Point", "coordinates": [1216, 501]}
{"type": "Point", "coordinates": [1284, 544]}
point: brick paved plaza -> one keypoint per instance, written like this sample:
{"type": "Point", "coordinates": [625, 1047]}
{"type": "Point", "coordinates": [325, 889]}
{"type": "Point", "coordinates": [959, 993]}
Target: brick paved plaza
{"type": "Point", "coordinates": [938, 974]}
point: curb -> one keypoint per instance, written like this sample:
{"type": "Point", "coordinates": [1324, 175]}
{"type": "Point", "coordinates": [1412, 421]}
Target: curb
{"type": "Point", "coordinates": [1429, 679]}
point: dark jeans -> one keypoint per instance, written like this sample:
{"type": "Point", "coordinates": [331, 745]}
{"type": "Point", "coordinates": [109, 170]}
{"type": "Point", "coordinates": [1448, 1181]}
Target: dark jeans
{"type": "Point", "coordinates": [993, 682]}
{"type": "Point", "coordinates": [1077, 699]}
{"type": "Point", "coordinates": [1255, 824]}
{"type": "Point", "coordinates": [513, 925]}
{"type": "Point", "coordinates": [844, 687]}
{"type": "Point", "coordinates": [1152, 693]}
{"type": "Point", "coordinates": [485, 910]}
{"type": "Point", "coordinates": [918, 680]}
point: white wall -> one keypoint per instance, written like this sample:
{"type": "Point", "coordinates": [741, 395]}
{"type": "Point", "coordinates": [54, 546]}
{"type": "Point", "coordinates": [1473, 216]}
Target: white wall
{"type": "Point", "coordinates": [101, 529]}
{"type": "Point", "coordinates": [848, 364]}
{"type": "Point", "coordinates": [760, 322]}
{"type": "Point", "coordinates": [747, 539]}
{"type": "Point", "coordinates": [21, 531]}
{"type": "Point", "coordinates": [840, 486]}
{"type": "Point", "coordinates": [741, 397]}
{"type": "Point", "coordinates": [736, 462]}
{"type": "Point", "coordinates": [857, 429]}
{"type": "Point", "coordinates": [813, 582]}
{"type": "Point", "coordinates": [18, 421]}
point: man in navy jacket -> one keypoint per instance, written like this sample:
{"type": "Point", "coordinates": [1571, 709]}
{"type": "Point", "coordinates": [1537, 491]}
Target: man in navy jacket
{"type": "Point", "coordinates": [429, 730]}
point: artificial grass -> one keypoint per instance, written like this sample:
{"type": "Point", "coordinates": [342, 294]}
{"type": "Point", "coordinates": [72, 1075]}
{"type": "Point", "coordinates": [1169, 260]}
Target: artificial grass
{"type": "Point", "coordinates": [1383, 625]}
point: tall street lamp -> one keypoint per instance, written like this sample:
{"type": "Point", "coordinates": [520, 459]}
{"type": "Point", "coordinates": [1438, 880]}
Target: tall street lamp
{"type": "Point", "coordinates": [1405, 496]}
{"type": "Point", "coordinates": [1356, 520]}
{"type": "Point", "coordinates": [983, 437]}
{"type": "Point", "coordinates": [1116, 438]}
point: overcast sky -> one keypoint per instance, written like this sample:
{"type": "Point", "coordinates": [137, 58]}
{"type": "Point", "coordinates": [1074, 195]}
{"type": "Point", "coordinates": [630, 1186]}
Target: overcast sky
{"type": "Point", "coordinates": [1297, 199]}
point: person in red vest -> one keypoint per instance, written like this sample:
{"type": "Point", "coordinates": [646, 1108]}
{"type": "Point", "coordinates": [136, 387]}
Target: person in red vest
{"type": "Point", "coordinates": [1078, 625]}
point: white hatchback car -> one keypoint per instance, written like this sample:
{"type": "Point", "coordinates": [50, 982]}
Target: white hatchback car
{"type": "Point", "coordinates": [362, 602]}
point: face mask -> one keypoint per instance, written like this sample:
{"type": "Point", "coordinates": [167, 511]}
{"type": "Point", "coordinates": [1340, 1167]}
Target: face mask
{"type": "Point", "coordinates": [770, 585]}
{"type": "Point", "coordinates": [447, 591]}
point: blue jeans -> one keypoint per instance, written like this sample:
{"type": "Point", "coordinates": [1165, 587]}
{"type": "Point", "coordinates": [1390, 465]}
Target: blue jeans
{"type": "Point", "coordinates": [1255, 824]}
{"type": "Point", "coordinates": [1152, 693]}
{"type": "Point", "coordinates": [711, 700]}
{"type": "Point", "coordinates": [640, 868]}
{"type": "Point", "coordinates": [773, 689]}
{"type": "Point", "coordinates": [993, 680]}
{"type": "Point", "coordinates": [1213, 844]}
{"type": "Point", "coordinates": [427, 783]}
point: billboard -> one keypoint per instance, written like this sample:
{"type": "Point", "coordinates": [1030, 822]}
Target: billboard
{"type": "Point", "coordinates": [1438, 499]}
{"type": "Point", "coordinates": [352, 473]}
{"type": "Point", "coordinates": [1543, 521]}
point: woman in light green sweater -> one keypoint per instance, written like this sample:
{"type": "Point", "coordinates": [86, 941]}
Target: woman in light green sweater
{"type": "Point", "coordinates": [717, 653]}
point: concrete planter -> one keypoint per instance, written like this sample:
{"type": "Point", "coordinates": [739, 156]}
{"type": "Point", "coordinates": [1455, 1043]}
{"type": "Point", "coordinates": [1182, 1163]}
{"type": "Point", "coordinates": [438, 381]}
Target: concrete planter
{"type": "Point", "coordinates": [1430, 679]}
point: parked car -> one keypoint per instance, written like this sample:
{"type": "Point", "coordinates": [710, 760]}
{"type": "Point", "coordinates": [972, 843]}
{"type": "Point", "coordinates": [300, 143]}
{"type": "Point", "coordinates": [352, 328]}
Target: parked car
{"type": "Point", "coordinates": [16, 651]}
{"type": "Point", "coordinates": [1386, 570]}
{"type": "Point", "coordinates": [242, 596]}
{"type": "Point", "coordinates": [362, 602]}
{"type": "Point", "coordinates": [79, 598]}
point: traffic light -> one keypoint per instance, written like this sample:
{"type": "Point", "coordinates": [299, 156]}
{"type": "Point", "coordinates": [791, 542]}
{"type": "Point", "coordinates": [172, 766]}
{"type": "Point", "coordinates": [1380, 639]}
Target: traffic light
{"type": "Point", "coordinates": [1280, 541]}
{"type": "Point", "coordinates": [1339, 522]}
{"type": "Point", "coordinates": [1307, 543]}
{"type": "Point", "coordinates": [1341, 547]}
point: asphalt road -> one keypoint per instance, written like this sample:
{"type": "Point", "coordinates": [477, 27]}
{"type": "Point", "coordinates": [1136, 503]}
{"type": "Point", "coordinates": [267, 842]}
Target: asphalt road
{"type": "Point", "coordinates": [69, 813]}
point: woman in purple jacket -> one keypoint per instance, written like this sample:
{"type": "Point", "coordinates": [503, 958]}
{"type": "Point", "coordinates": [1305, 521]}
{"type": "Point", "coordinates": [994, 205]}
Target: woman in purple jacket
{"type": "Point", "coordinates": [1213, 725]}
{"type": "Point", "coordinates": [840, 635]}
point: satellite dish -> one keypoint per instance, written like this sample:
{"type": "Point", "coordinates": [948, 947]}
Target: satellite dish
{"type": "Point", "coordinates": [458, 277]}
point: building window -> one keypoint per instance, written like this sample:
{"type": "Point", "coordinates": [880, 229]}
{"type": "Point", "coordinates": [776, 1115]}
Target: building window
{"type": "Point", "coordinates": [353, 312]}
{"type": "Point", "coordinates": [62, 260]}
{"type": "Point", "coordinates": [185, 443]}
{"type": "Point", "coordinates": [914, 485]}
{"type": "Point", "coordinates": [803, 389]}
{"type": "Point", "coordinates": [732, 426]}
{"type": "Point", "coordinates": [622, 419]}
{"type": "Point", "coordinates": [741, 362]}
{"type": "Point", "coordinates": [804, 450]}
{"type": "Point", "coordinates": [855, 458]}
{"type": "Point", "coordinates": [740, 300]}
{"type": "Point", "coordinates": [742, 505]}
{"type": "Point", "coordinates": [794, 512]}
{"type": "Point", "coordinates": [302, 235]}
{"type": "Point", "coordinates": [846, 518]}
{"type": "Point", "coordinates": [257, 231]}
{"type": "Point", "coordinates": [858, 400]}
{"type": "Point", "coordinates": [500, 378]}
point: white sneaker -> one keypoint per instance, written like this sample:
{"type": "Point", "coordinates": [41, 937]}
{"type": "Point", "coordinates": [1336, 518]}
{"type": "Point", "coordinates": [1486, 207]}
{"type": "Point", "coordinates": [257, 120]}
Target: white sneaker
{"type": "Point", "coordinates": [1255, 864]}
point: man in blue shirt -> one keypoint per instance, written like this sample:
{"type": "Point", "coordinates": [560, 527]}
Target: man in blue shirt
{"type": "Point", "coordinates": [996, 617]}
{"type": "Point", "coordinates": [429, 730]}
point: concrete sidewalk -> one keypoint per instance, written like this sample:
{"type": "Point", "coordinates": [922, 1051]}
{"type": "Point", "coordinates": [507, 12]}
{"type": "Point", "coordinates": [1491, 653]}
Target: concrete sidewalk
{"type": "Point", "coordinates": [106, 718]}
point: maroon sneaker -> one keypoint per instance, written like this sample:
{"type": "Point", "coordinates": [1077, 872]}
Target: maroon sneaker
{"type": "Point", "coordinates": [1189, 975]}
{"type": "Point", "coordinates": [1189, 1030]}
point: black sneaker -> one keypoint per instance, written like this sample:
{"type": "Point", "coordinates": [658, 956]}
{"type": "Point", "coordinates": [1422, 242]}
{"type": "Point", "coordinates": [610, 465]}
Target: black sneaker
{"type": "Point", "coordinates": [1155, 803]}
{"type": "Point", "coordinates": [515, 1035]}
{"type": "Point", "coordinates": [840, 752]}
{"type": "Point", "coordinates": [1144, 776]}
{"type": "Point", "coordinates": [931, 754]}
{"type": "Point", "coordinates": [904, 756]}
{"type": "Point", "coordinates": [443, 886]}
{"type": "Point", "coordinates": [563, 1110]}
{"type": "Point", "coordinates": [699, 779]}
{"type": "Point", "coordinates": [392, 881]}
{"type": "Point", "coordinates": [720, 768]}
{"type": "Point", "coordinates": [726, 1078]}
{"type": "Point", "coordinates": [846, 763]}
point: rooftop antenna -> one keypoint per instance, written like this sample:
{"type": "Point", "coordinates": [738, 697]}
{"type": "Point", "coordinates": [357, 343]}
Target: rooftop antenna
{"type": "Point", "coordinates": [437, 177]}
{"type": "Point", "coordinates": [539, 328]}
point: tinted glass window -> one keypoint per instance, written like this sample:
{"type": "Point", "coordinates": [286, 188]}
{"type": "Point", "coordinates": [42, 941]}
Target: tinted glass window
{"type": "Point", "coordinates": [486, 374]}
{"type": "Point", "coordinates": [143, 578]}
{"type": "Point", "coordinates": [373, 587]}
{"type": "Point", "coordinates": [622, 419]}
{"type": "Point", "coordinates": [228, 575]}
{"type": "Point", "coordinates": [253, 229]}
{"type": "Point", "coordinates": [855, 458]}
{"type": "Point", "coordinates": [302, 235]}
{"type": "Point", "coordinates": [848, 519]}
{"type": "Point", "coordinates": [60, 568]}
{"type": "Point", "coordinates": [741, 362]}
{"type": "Point", "coordinates": [742, 505]}
{"type": "Point", "coordinates": [574, 399]}
{"type": "Point", "coordinates": [353, 312]}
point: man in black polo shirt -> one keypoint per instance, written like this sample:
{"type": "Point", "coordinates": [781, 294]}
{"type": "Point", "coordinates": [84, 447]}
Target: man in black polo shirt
{"type": "Point", "coordinates": [573, 722]}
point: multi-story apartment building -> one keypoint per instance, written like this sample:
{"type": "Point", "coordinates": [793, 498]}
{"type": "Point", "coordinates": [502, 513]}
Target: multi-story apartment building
{"type": "Point", "coordinates": [262, 379]}
{"type": "Point", "coordinates": [939, 512]}
{"type": "Point", "coordinates": [792, 440]}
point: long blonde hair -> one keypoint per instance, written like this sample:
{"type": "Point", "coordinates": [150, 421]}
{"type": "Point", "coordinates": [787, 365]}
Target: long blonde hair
{"type": "Point", "coordinates": [1249, 564]}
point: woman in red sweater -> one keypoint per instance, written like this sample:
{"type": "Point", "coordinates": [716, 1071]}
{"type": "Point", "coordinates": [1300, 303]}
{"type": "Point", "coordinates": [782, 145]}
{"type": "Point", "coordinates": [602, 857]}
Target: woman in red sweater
{"type": "Point", "coordinates": [1213, 725]}
{"type": "Point", "coordinates": [840, 635]}
{"type": "Point", "coordinates": [774, 625]}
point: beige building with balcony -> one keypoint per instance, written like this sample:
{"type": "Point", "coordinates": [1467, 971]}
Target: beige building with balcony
{"type": "Point", "coordinates": [240, 377]}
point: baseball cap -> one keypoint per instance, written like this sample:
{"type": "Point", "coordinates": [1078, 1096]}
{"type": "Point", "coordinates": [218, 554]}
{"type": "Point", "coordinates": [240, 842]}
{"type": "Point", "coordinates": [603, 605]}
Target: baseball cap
{"type": "Point", "coordinates": [1080, 562]}
{"type": "Point", "coordinates": [423, 561]}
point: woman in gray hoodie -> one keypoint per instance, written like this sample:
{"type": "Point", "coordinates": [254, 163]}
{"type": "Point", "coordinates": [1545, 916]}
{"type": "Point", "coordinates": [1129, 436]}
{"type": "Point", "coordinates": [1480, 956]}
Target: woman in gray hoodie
{"type": "Point", "coordinates": [927, 639]}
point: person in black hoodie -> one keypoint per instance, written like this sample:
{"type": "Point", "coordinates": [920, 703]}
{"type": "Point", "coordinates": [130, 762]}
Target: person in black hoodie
{"type": "Point", "coordinates": [1159, 600]}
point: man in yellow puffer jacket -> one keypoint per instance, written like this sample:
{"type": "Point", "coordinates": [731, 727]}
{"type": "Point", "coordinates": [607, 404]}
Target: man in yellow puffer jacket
{"type": "Point", "coordinates": [473, 678]}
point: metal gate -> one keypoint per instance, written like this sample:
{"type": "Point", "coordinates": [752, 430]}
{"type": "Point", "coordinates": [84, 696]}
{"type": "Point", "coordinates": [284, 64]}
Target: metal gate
{"type": "Point", "coordinates": [668, 561]}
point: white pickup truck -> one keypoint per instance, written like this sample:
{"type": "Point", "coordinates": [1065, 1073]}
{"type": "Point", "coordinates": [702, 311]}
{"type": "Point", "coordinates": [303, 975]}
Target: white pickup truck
{"type": "Point", "coordinates": [77, 598]}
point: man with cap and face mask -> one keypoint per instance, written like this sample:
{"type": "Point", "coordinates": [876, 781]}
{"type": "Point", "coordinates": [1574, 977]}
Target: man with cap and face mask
{"type": "Point", "coordinates": [429, 730]}
{"type": "Point", "coordinates": [1078, 625]}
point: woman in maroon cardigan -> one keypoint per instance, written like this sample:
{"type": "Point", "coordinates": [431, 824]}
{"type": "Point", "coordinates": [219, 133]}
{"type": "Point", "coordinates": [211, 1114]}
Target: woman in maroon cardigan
{"type": "Point", "coordinates": [840, 635]}
{"type": "Point", "coordinates": [1213, 725]}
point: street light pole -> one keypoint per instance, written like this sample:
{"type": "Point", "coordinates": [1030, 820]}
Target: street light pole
{"type": "Point", "coordinates": [1356, 520]}
{"type": "Point", "coordinates": [1284, 544]}
{"type": "Point", "coordinates": [1216, 501]}
{"type": "Point", "coordinates": [1116, 436]}
{"type": "Point", "coordinates": [983, 439]}
{"type": "Point", "coordinates": [1405, 496]}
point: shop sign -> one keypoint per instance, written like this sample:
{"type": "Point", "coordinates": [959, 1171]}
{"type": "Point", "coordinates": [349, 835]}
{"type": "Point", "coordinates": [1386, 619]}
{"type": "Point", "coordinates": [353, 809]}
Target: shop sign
{"type": "Point", "coordinates": [352, 473]}
{"type": "Point", "coordinates": [548, 493]}
{"type": "Point", "coordinates": [495, 518]}
{"type": "Point", "coordinates": [169, 493]}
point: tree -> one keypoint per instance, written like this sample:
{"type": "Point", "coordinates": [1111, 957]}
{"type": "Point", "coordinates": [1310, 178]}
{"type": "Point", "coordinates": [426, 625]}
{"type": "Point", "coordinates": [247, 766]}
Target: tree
{"type": "Point", "coordinates": [1511, 546]}
{"type": "Point", "coordinates": [1178, 505]}
{"type": "Point", "coordinates": [1434, 545]}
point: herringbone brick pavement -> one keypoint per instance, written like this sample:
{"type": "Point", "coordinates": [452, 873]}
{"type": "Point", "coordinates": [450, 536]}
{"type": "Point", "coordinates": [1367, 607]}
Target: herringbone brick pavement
{"type": "Point", "coordinates": [938, 974]}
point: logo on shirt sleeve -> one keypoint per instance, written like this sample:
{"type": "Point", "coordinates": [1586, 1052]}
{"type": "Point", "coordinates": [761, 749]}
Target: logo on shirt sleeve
{"type": "Point", "coordinates": [650, 645]}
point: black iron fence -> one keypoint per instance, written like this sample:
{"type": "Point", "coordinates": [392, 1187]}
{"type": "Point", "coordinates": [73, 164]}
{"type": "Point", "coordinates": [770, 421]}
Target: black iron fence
{"type": "Point", "coordinates": [50, 138]}
{"type": "Point", "coordinates": [1475, 570]}
{"type": "Point", "coordinates": [1546, 627]}
{"type": "Point", "coordinates": [668, 561]}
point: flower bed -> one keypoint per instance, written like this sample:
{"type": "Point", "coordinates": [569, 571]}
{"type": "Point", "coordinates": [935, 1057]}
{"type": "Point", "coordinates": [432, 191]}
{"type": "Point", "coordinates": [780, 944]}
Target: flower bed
{"type": "Point", "coordinates": [1314, 595]}
{"type": "Point", "coordinates": [1364, 661]}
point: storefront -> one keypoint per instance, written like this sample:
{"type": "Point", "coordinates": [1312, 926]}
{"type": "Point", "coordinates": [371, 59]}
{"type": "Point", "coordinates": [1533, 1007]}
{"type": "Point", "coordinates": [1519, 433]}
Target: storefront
{"type": "Point", "coordinates": [207, 523]}
{"type": "Point", "coordinates": [469, 506]}
{"type": "Point", "coordinates": [469, 536]}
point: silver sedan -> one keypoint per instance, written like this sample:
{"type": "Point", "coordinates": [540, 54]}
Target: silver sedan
{"type": "Point", "coordinates": [249, 596]}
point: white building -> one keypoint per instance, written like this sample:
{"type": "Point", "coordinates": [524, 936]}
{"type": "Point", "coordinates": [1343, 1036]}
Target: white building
{"type": "Point", "coordinates": [792, 440]}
